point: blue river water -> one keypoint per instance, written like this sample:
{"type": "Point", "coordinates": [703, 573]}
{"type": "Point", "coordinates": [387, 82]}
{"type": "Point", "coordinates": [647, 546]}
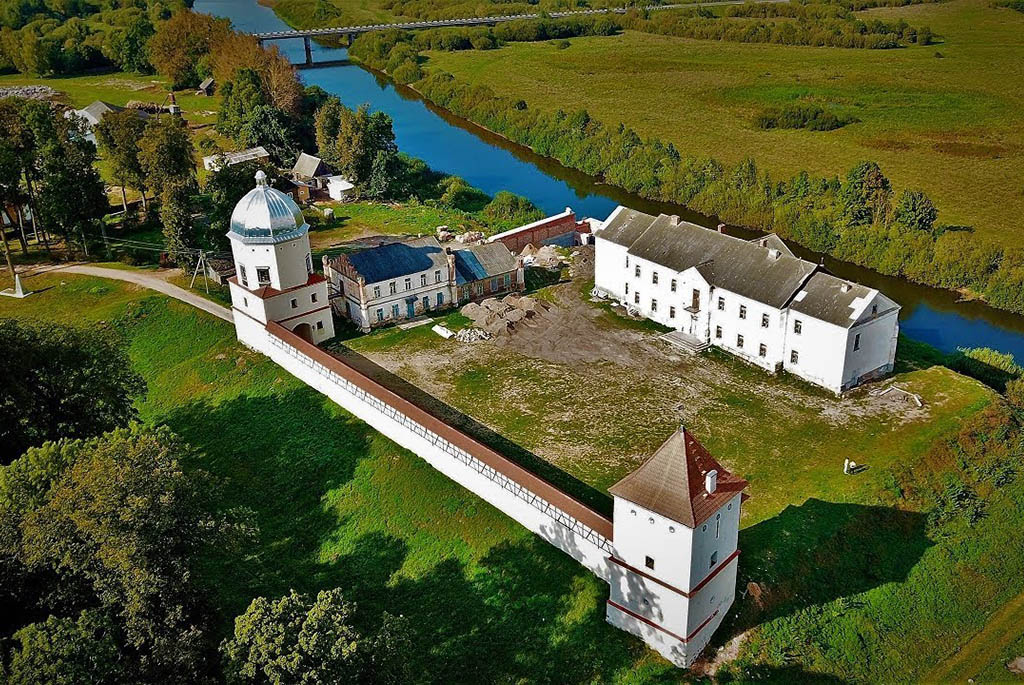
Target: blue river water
{"type": "Point", "coordinates": [490, 163]}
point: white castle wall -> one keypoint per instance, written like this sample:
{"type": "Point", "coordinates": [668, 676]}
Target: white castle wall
{"type": "Point", "coordinates": [583, 543]}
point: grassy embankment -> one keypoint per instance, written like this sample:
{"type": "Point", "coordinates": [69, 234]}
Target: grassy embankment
{"type": "Point", "coordinates": [341, 506]}
{"type": "Point", "coordinates": [952, 126]}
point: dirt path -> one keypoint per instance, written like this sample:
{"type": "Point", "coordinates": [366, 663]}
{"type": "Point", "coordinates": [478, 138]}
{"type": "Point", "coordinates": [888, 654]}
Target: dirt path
{"type": "Point", "coordinates": [1004, 627]}
{"type": "Point", "coordinates": [154, 280]}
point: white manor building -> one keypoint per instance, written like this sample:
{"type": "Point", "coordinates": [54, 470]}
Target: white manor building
{"type": "Point", "coordinates": [274, 278]}
{"type": "Point", "coordinates": [752, 298]}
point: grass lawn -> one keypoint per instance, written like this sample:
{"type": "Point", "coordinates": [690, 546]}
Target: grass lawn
{"type": "Point", "coordinates": [341, 506]}
{"type": "Point", "coordinates": [952, 126]}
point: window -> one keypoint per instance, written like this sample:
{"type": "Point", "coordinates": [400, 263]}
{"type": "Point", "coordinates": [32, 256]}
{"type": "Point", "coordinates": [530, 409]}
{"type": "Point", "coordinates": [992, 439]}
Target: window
{"type": "Point", "coordinates": [423, 280]}
{"type": "Point", "coordinates": [312, 297]}
{"type": "Point", "coordinates": [654, 277]}
{"type": "Point", "coordinates": [654, 305]}
{"type": "Point", "coordinates": [739, 341]}
{"type": "Point", "coordinates": [636, 272]}
{"type": "Point", "coordinates": [762, 350]}
{"type": "Point", "coordinates": [627, 261]}
{"type": "Point", "coordinates": [743, 311]}
{"type": "Point", "coordinates": [408, 284]}
{"type": "Point", "coordinates": [672, 285]}
{"type": "Point", "coordinates": [714, 559]}
{"type": "Point", "coordinates": [494, 285]}
{"type": "Point", "coordinates": [649, 562]}
{"type": "Point", "coordinates": [874, 309]}
{"type": "Point", "coordinates": [794, 357]}
{"type": "Point", "coordinates": [479, 288]}
{"type": "Point", "coordinates": [798, 326]}
{"type": "Point", "coordinates": [856, 342]}
{"type": "Point", "coordinates": [627, 288]}
{"type": "Point", "coordinates": [241, 274]}
{"type": "Point", "coordinates": [426, 301]}
{"type": "Point", "coordinates": [721, 304]}
{"type": "Point", "coordinates": [263, 275]}
{"type": "Point", "coordinates": [394, 311]}
{"type": "Point", "coordinates": [508, 280]}
{"type": "Point", "coordinates": [376, 291]}
{"type": "Point", "coordinates": [295, 303]}
{"type": "Point", "coordinates": [393, 287]}
{"type": "Point", "coordinates": [440, 299]}
{"type": "Point", "coordinates": [380, 315]}
{"type": "Point", "coordinates": [319, 325]}
{"type": "Point", "coordinates": [718, 331]}
{"type": "Point", "coordinates": [437, 276]}
{"type": "Point", "coordinates": [309, 264]}
{"type": "Point", "coordinates": [636, 298]}
{"type": "Point", "coordinates": [764, 321]}
{"type": "Point", "coordinates": [671, 312]}
{"type": "Point", "coordinates": [245, 301]}
{"type": "Point", "coordinates": [718, 524]}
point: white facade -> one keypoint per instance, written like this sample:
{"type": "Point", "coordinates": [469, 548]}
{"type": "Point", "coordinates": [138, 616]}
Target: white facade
{"type": "Point", "coordinates": [274, 278]}
{"type": "Point", "coordinates": [846, 333]}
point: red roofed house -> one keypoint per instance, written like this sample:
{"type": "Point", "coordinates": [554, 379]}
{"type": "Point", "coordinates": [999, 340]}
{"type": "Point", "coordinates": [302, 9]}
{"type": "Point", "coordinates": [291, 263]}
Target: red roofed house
{"type": "Point", "coordinates": [673, 573]}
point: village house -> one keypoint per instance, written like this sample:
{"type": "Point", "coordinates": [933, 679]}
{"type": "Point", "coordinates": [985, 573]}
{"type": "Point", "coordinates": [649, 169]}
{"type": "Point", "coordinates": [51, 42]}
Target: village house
{"type": "Point", "coordinates": [223, 159]}
{"type": "Point", "coordinates": [752, 298]}
{"type": "Point", "coordinates": [206, 87]}
{"type": "Point", "coordinates": [309, 176]}
{"type": "Point", "coordinates": [93, 113]}
{"type": "Point", "coordinates": [401, 280]}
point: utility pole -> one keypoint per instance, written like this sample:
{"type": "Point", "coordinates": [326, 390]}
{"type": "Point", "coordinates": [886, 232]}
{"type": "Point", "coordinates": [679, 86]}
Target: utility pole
{"type": "Point", "coordinates": [201, 262]}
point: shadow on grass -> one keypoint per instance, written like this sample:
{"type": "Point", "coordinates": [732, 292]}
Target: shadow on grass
{"type": "Point", "coordinates": [592, 497]}
{"type": "Point", "coordinates": [819, 551]}
{"type": "Point", "coordinates": [524, 612]}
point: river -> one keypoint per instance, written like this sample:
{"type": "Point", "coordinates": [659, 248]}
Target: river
{"type": "Point", "coordinates": [491, 163]}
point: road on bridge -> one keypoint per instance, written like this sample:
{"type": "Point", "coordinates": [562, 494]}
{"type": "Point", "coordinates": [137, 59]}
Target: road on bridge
{"type": "Point", "coordinates": [479, 21]}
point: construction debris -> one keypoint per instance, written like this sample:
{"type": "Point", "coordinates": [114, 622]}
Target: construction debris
{"type": "Point", "coordinates": [469, 237]}
{"type": "Point", "coordinates": [444, 235]}
{"type": "Point", "coordinates": [30, 92]}
{"type": "Point", "coordinates": [443, 331]}
{"type": "Point", "coordinates": [907, 395]}
{"type": "Point", "coordinates": [501, 317]}
{"type": "Point", "coordinates": [544, 257]}
{"type": "Point", "coordinates": [471, 335]}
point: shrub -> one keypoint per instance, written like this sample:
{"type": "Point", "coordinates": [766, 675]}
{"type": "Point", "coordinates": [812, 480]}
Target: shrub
{"type": "Point", "coordinates": [810, 117]}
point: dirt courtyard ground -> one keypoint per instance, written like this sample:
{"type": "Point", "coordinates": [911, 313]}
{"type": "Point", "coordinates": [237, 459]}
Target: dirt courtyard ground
{"type": "Point", "coordinates": [595, 393]}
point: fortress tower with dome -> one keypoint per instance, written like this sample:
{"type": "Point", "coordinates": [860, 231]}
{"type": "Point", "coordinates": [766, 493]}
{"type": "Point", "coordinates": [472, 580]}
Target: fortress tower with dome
{"type": "Point", "coordinates": [274, 278]}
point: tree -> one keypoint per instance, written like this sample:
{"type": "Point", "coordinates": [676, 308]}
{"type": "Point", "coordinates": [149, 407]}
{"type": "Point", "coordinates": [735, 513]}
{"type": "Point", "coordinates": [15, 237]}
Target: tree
{"type": "Point", "coordinates": [223, 189]}
{"type": "Point", "coordinates": [65, 651]}
{"type": "Point", "coordinates": [70, 198]}
{"type": "Point", "coordinates": [176, 205]}
{"type": "Point", "coordinates": [508, 208]}
{"type": "Point", "coordinates": [127, 526]}
{"type": "Point", "coordinates": [62, 382]}
{"type": "Point", "coordinates": [118, 135]}
{"type": "Point", "coordinates": [18, 138]}
{"type": "Point", "coordinates": [274, 73]}
{"type": "Point", "coordinates": [180, 44]}
{"type": "Point", "coordinates": [382, 176]}
{"type": "Point", "coordinates": [867, 194]}
{"type": "Point", "coordinates": [248, 116]}
{"type": "Point", "coordinates": [350, 141]}
{"type": "Point", "coordinates": [166, 153]}
{"type": "Point", "coordinates": [915, 211]}
{"type": "Point", "coordinates": [298, 640]}
{"type": "Point", "coordinates": [128, 46]}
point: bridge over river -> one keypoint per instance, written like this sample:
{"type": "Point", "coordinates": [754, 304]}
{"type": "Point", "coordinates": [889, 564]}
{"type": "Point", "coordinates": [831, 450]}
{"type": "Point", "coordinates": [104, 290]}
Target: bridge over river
{"type": "Point", "coordinates": [350, 32]}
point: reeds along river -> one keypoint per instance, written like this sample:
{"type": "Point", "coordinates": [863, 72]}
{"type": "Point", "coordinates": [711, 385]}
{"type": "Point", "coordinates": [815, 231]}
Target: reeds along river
{"type": "Point", "coordinates": [491, 163]}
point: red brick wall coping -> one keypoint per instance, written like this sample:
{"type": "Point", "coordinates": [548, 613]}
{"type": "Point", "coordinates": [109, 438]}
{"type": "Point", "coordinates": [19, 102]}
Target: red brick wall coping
{"type": "Point", "coordinates": [499, 463]}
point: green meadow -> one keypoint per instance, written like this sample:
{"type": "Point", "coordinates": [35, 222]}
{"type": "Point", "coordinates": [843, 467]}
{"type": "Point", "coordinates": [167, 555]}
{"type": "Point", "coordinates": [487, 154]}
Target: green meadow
{"type": "Point", "coordinates": [846, 572]}
{"type": "Point", "coordinates": [946, 118]}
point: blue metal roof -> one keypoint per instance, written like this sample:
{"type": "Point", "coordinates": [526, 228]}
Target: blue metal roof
{"type": "Point", "coordinates": [398, 259]}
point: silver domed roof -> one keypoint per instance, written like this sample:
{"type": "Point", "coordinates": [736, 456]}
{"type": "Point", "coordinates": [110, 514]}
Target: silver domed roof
{"type": "Point", "coordinates": [266, 215]}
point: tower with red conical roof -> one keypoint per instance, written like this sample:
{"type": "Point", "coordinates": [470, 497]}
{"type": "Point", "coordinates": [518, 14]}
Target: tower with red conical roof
{"type": "Point", "coordinates": [676, 526]}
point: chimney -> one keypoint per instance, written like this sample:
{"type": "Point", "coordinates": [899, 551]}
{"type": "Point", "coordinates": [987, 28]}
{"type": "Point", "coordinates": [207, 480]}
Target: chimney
{"type": "Point", "coordinates": [711, 481]}
{"type": "Point", "coordinates": [673, 220]}
{"type": "Point", "coordinates": [847, 287]}
{"type": "Point", "coordinates": [774, 254]}
{"type": "Point", "coordinates": [721, 228]}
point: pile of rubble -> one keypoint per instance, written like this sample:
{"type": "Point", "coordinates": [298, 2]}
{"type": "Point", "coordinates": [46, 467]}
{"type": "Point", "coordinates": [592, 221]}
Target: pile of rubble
{"type": "Point", "coordinates": [445, 235]}
{"type": "Point", "coordinates": [30, 92]}
{"type": "Point", "coordinates": [471, 335]}
{"type": "Point", "coordinates": [545, 257]}
{"type": "Point", "coordinates": [501, 317]}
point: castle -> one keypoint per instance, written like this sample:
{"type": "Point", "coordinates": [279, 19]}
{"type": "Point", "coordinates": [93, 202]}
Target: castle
{"type": "Point", "coordinates": [669, 553]}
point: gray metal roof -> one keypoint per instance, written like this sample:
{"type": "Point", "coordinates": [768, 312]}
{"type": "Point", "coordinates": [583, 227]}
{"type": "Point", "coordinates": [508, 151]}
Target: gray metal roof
{"type": "Point", "coordinates": [625, 226]}
{"type": "Point", "coordinates": [671, 482]}
{"type": "Point", "coordinates": [266, 215]}
{"type": "Point", "coordinates": [396, 260]}
{"type": "Point", "coordinates": [308, 166]}
{"type": "Point", "coordinates": [478, 262]}
{"type": "Point", "coordinates": [842, 303]}
{"type": "Point", "coordinates": [763, 270]}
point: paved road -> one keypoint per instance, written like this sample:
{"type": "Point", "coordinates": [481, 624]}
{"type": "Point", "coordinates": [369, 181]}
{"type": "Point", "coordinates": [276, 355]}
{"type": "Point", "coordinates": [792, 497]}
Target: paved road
{"type": "Point", "coordinates": [154, 280]}
{"type": "Point", "coordinates": [1003, 627]}
{"type": "Point", "coordinates": [478, 21]}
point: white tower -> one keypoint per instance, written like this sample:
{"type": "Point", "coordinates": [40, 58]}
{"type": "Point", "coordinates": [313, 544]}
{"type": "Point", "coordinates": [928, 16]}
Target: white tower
{"type": "Point", "coordinates": [274, 278]}
{"type": "Point", "coordinates": [676, 524]}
